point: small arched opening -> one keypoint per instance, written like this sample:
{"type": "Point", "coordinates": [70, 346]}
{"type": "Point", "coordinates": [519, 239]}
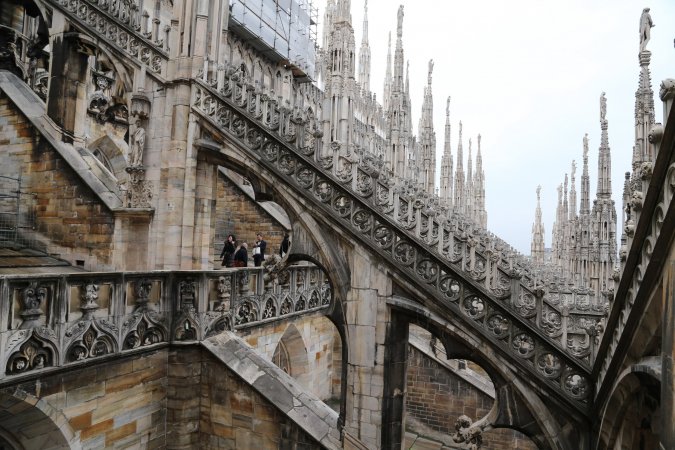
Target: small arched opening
{"type": "Point", "coordinates": [310, 350]}
{"type": "Point", "coordinates": [441, 389]}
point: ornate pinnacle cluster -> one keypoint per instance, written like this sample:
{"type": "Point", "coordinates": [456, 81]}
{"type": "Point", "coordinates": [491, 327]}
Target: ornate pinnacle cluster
{"type": "Point", "coordinates": [538, 233]}
{"type": "Point", "coordinates": [584, 243]}
{"type": "Point", "coordinates": [446, 161]}
{"type": "Point", "coordinates": [364, 53]}
{"type": "Point", "coordinates": [354, 123]}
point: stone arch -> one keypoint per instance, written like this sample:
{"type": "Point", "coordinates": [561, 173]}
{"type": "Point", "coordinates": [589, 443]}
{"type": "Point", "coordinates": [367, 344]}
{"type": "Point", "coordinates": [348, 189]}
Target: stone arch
{"type": "Point", "coordinates": [636, 393]}
{"type": "Point", "coordinates": [312, 241]}
{"type": "Point", "coordinates": [309, 348]}
{"type": "Point", "coordinates": [516, 405]}
{"type": "Point", "coordinates": [111, 155]}
{"type": "Point", "coordinates": [27, 422]}
{"type": "Point", "coordinates": [291, 354]}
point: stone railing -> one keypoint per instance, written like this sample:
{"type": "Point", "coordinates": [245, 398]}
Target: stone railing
{"type": "Point", "coordinates": [123, 25]}
{"type": "Point", "coordinates": [648, 231]}
{"type": "Point", "coordinates": [51, 321]}
{"type": "Point", "coordinates": [465, 271]}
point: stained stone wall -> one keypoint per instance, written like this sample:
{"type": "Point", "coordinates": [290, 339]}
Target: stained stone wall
{"type": "Point", "coordinates": [311, 343]}
{"type": "Point", "coordinates": [436, 398]}
{"type": "Point", "coordinates": [110, 404]}
{"type": "Point", "coordinates": [211, 407]}
{"type": "Point", "coordinates": [66, 210]}
{"type": "Point", "coordinates": [181, 398]}
{"type": "Point", "coordinates": [236, 213]}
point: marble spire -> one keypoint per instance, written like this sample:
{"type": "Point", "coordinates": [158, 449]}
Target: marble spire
{"type": "Point", "coordinates": [538, 247]}
{"type": "Point", "coordinates": [364, 53]}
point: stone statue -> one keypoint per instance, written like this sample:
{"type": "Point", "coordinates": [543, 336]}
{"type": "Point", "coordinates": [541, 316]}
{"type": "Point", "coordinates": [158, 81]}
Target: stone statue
{"type": "Point", "coordinates": [137, 145]}
{"type": "Point", "coordinates": [646, 25]}
{"type": "Point", "coordinates": [447, 107]}
{"type": "Point", "coordinates": [431, 69]}
{"type": "Point", "coordinates": [603, 107]}
{"type": "Point", "coordinates": [399, 28]}
{"type": "Point", "coordinates": [585, 146]}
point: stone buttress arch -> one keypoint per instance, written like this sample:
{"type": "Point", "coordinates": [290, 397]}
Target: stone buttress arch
{"type": "Point", "coordinates": [34, 423]}
{"type": "Point", "coordinates": [644, 375]}
{"type": "Point", "coordinates": [516, 405]}
{"type": "Point", "coordinates": [311, 241]}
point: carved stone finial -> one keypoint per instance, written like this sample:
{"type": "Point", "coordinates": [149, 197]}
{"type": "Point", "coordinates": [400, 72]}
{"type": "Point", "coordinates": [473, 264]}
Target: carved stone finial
{"type": "Point", "coordinates": [143, 288]}
{"type": "Point", "coordinates": [88, 299]}
{"type": "Point", "coordinates": [33, 297]}
{"type": "Point", "coordinates": [431, 69]}
{"type": "Point", "coordinates": [447, 107]}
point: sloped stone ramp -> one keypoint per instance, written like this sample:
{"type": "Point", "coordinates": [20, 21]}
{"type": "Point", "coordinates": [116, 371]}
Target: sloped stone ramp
{"type": "Point", "coordinates": [311, 414]}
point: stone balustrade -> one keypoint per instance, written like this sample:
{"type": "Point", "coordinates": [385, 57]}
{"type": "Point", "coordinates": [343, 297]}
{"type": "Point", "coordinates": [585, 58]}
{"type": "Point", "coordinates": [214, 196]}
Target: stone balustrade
{"type": "Point", "coordinates": [122, 24]}
{"type": "Point", "coordinates": [51, 321]}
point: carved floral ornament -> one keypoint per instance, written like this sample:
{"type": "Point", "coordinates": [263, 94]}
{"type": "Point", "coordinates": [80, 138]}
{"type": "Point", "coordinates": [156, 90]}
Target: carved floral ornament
{"type": "Point", "coordinates": [34, 296]}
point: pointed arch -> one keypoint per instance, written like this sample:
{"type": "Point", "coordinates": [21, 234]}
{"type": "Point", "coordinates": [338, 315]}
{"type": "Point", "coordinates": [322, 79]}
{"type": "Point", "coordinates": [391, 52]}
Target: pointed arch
{"type": "Point", "coordinates": [291, 354]}
{"type": "Point", "coordinates": [28, 422]}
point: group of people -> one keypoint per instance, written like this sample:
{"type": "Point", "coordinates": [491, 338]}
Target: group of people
{"type": "Point", "coordinates": [233, 256]}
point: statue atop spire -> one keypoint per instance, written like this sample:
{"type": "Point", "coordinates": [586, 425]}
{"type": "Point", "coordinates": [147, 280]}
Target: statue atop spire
{"type": "Point", "coordinates": [431, 69]}
{"type": "Point", "coordinates": [399, 27]}
{"type": "Point", "coordinates": [603, 108]}
{"type": "Point", "coordinates": [646, 24]}
{"type": "Point", "coordinates": [537, 249]}
{"type": "Point", "coordinates": [364, 53]}
{"type": "Point", "coordinates": [447, 108]}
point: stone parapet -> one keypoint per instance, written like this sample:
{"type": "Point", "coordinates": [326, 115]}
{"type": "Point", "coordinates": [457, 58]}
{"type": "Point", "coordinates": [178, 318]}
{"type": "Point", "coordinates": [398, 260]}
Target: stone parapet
{"type": "Point", "coordinates": [55, 321]}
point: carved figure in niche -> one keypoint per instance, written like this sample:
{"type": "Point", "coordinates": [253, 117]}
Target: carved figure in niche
{"type": "Point", "coordinates": [646, 25]}
{"type": "Point", "coordinates": [137, 145]}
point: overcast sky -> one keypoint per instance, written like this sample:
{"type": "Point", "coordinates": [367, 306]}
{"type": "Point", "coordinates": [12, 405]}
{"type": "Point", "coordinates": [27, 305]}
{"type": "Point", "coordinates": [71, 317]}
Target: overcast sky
{"type": "Point", "coordinates": [527, 75]}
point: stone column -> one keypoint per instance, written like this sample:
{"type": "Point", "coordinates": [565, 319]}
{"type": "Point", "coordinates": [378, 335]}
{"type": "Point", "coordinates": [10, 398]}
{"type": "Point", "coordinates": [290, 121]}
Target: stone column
{"type": "Point", "coordinates": [366, 317]}
{"type": "Point", "coordinates": [668, 354]}
{"type": "Point", "coordinates": [205, 203]}
{"type": "Point", "coordinates": [393, 404]}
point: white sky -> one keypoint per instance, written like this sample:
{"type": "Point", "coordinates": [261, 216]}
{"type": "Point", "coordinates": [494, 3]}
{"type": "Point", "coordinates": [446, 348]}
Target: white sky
{"type": "Point", "coordinates": [527, 75]}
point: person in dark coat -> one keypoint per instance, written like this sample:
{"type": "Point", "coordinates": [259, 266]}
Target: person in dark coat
{"type": "Point", "coordinates": [241, 256]}
{"type": "Point", "coordinates": [259, 250]}
{"type": "Point", "coordinates": [285, 245]}
{"type": "Point", "coordinates": [227, 254]}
